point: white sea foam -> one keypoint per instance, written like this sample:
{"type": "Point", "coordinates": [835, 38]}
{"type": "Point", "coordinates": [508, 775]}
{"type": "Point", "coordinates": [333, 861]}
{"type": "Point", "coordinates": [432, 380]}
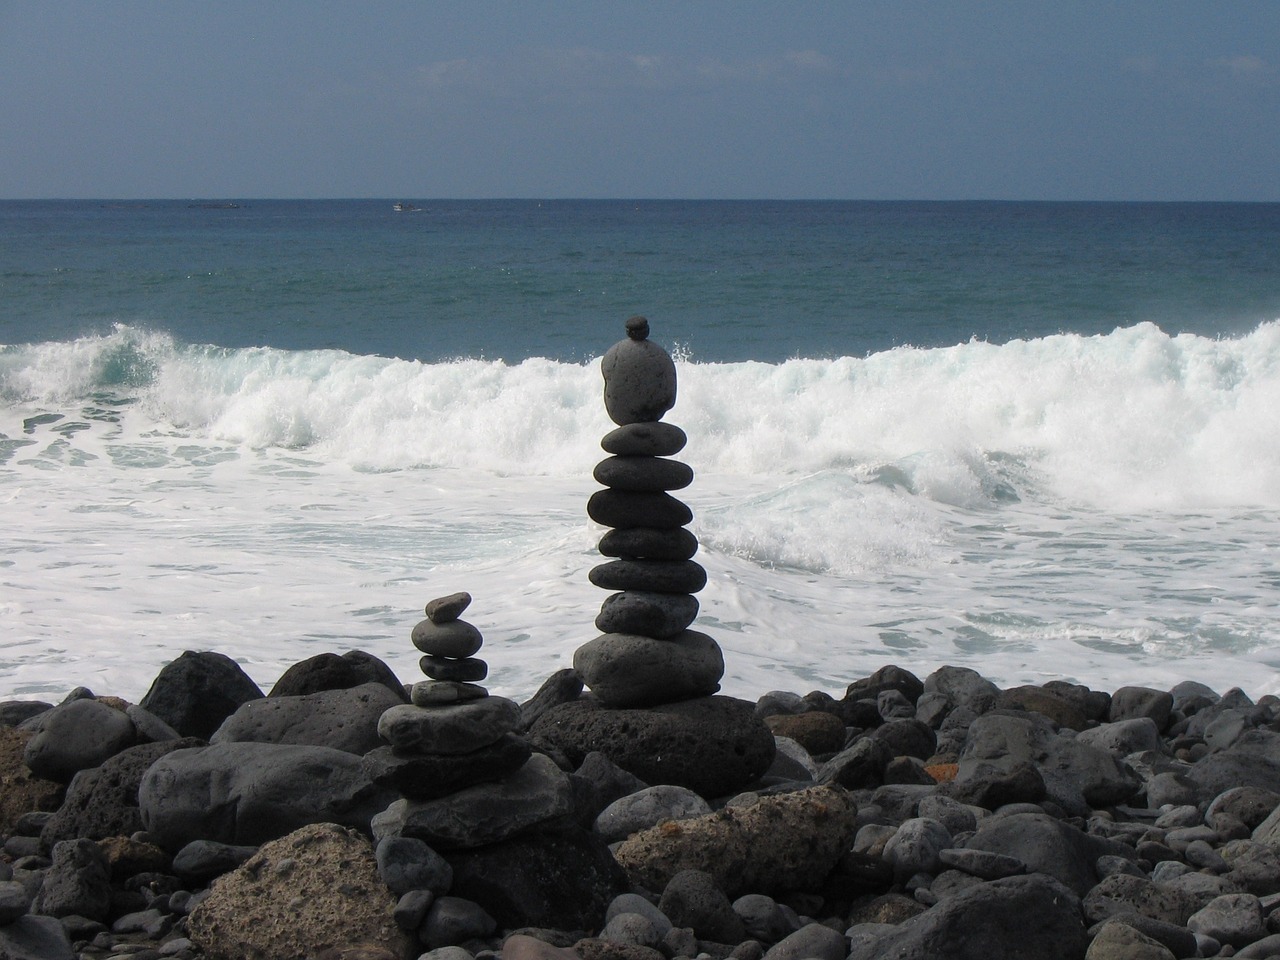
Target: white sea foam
{"type": "Point", "coordinates": [1101, 508]}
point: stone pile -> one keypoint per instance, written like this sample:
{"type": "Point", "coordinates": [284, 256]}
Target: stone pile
{"type": "Point", "coordinates": [646, 654]}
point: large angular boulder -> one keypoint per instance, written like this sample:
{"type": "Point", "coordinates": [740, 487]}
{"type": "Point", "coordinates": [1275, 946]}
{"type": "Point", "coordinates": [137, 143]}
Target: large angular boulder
{"type": "Point", "coordinates": [249, 793]}
{"type": "Point", "coordinates": [777, 844]}
{"type": "Point", "coordinates": [196, 692]}
{"type": "Point", "coordinates": [313, 890]}
{"type": "Point", "coordinates": [715, 746]}
{"type": "Point", "coordinates": [344, 719]}
{"type": "Point", "coordinates": [103, 801]}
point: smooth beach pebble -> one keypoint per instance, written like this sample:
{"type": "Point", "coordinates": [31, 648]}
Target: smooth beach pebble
{"type": "Point", "coordinates": [444, 609]}
{"type": "Point", "coordinates": [452, 728]}
{"type": "Point", "coordinates": [470, 670]}
{"type": "Point", "coordinates": [432, 693]}
{"type": "Point", "coordinates": [658, 576]}
{"type": "Point", "coordinates": [650, 614]}
{"type": "Point", "coordinates": [655, 439]}
{"type": "Point", "coordinates": [455, 639]}
{"type": "Point", "coordinates": [621, 508]}
{"type": "Point", "coordinates": [639, 377]}
{"type": "Point", "coordinates": [648, 543]}
{"type": "Point", "coordinates": [645, 474]}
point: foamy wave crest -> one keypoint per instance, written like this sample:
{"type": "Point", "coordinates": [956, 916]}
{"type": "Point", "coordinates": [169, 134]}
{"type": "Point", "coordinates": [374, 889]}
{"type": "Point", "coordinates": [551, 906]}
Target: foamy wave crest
{"type": "Point", "coordinates": [1131, 420]}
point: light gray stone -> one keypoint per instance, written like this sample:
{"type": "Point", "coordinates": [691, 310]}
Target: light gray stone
{"type": "Point", "coordinates": [77, 736]}
{"type": "Point", "coordinates": [627, 670]}
{"type": "Point", "coordinates": [648, 808]}
{"type": "Point", "coordinates": [449, 729]}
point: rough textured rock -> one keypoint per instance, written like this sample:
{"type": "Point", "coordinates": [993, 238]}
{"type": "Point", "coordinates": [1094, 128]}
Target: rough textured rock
{"type": "Point", "coordinates": [76, 736]}
{"type": "Point", "coordinates": [103, 802]}
{"type": "Point", "coordinates": [712, 745]}
{"type": "Point", "coordinates": [78, 882]}
{"type": "Point", "coordinates": [537, 793]}
{"type": "Point", "coordinates": [456, 728]}
{"type": "Point", "coordinates": [1018, 918]}
{"type": "Point", "coordinates": [778, 844]}
{"type": "Point", "coordinates": [1119, 941]}
{"type": "Point", "coordinates": [329, 671]}
{"type": "Point", "coordinates": [629, 670]}
{"type": "Point", "coordinates": [639, 377]}
{"type": "Point", "coordinates": [248, 793]}
{"type": "Point", "coordinates": [314, 889]}
{"type": "Point", "coordinates": [564, 880]}
{"type": "Point", "coordinates": [344, 719]}
{"type": "Point", "coordinates": [816, 731]}
{"type": "Point", "coordinates": [21, 791]}
{"type": "Point", "coordinates": [427, 776]}
{"type": "Point", "coordinates": [1047, 846]}
{"type": "Point", "coordinates": [197, 691]}
{"type": "Point", "coordinates": [693, 898]}
{"type": "Point", "coordinates": [650, 614]}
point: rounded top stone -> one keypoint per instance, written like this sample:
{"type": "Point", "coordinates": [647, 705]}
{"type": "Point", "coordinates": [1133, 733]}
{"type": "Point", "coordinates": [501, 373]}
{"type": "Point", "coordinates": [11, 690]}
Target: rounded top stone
{"type": "Point", "coordinates": [639, 377]}
{"type": "Point", "coordinates": [638, 328]}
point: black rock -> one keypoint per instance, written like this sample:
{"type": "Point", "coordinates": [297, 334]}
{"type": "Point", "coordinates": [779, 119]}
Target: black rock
{"type": "Point", "coordinates": [643, 474]}
{"type": "Point", "coordinates": [197, 691]}
{"type": "Point", "coordinates": [470, 670]}
{"type": "Point", "coordinates": [651, 439]}
{"type": "Point", "coordinates": [649, 614]}
{"type": "Point", "coordinates": [446, 609]}
{"type": "Point", "coordinates": [345, 719]}
{"type": "Point", "coordinates": [427, 776]}
{"type": "Point", "coordinates": [619, 508]}
{"type": "Point", "coordinates": [328, 671]}
{"type": "Point", "coordinates": [649, 543]}
{"type": "Point", "coordinates": [693, 899]}
{"type": "Point", "coordinates": [658, 576]}
{"type": "Point", "coordinates": [562, 686]}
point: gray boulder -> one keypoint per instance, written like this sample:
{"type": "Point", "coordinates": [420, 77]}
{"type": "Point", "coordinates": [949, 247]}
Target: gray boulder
{"type": "Point", "coordinates": [629, 670]}
{"type": "Point", "coordinates": [813, 941]}
{"type": "Point", "coordinates": [249, 793]}
{"type": "Point", "coordinates": [329, 671]}
{"type": "Point", "coordinates": [1047, 845]}
{"type": "Point", "coordinates": [197, 691]}
{"type": "Point", "coordinates": [693, 898]}
{"type": "Point", "coordinates": [35, 938]}
{"type": "Point", "coordinates": [344, 719]}
{"type": "Point", "coordinates": [77, 736]}
{"type": "Point", "coordinates": [648, 808]}
{"type": "Point", "coordinates": [78, 882]}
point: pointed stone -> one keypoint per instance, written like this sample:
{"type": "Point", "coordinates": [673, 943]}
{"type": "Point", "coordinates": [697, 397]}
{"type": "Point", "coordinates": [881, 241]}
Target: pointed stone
{"type": "Point", "coordinates": [444, 609]}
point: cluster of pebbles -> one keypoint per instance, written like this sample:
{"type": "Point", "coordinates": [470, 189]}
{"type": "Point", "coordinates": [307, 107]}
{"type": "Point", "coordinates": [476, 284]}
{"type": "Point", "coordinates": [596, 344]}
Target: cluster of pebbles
{"type": "Point", "coordinates": [646, 654]}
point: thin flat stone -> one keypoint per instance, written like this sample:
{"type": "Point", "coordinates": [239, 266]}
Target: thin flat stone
{"type": "Point", "coordinates": [622, 508]}
{"type": "Point", "coordinates": [424, 776]}
{"type": "Point", "coordinates": [433, 693]}
{"type": "Point", "coordinates": [649, 614]}
{"type": "Point", "coordinates": [470, 670]}
{"type": "Point", "coordinates": [645, 440]}
{"type": "Point", "coordinates": [658, 576]}
{"type": "Point", "coordinates": [453, 728]}
{"type": "Point", "coordinates": [648, 543]}
{"type": "Point", "coordinates": [455, 639]}
{"type": "Point", "coordinates": [444, 609]}
{"type": "Point", "coordinates": [643, 474]}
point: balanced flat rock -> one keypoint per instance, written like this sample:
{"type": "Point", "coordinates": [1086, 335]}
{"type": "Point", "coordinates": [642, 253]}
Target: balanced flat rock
{"type": "Point", "coordinates": [629, 670]}
{"type": "Point", "coordinates": [643, 473]}
{"type": "Point", "coordinates": [647, 543]}
{"type": "Point", "coordinates": [658, 576]}
{"type": "Point", "coordinates": [623, 508]}
{"type": "Point", "coordinates": [660, 615]}
{"type": "Point", "coordinates": [645, 440]}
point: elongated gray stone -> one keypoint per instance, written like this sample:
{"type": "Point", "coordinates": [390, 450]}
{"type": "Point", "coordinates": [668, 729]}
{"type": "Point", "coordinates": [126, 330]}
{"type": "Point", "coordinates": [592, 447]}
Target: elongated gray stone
{"type": "Point", "coordinates": [647, 543]}
{"type": "Point", "coordinates": [627, 670]}
{"type": "Point", "coordinates": [445, 609]}
{"type": "Point", "coordinates": [469, 670]}
{"type": "Point", "coordinates": [660, 615]}
{"type": "Point", "coordinates": [455, 728]}
{"type": "Point", "coordinates": [455, 639]}
{"type": "Point", "coordinates": [435, 693]}
{"type": "Point", "coordinates": [645, 440]}
{"type": "Point", "coordinates": [623, 508]}
{"type": "Point", "coordinates": [639, 377]}
{"type": "Point", "coordinates": [643, 474]}
{"type": "Point", "coordinates": [659, 576]}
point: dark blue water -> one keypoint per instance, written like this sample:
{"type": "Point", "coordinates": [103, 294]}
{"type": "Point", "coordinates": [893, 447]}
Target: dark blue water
{"type": "Point", "coordinates": [722, 280]}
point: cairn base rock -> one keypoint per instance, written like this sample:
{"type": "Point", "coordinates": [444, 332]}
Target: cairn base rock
{"type": "Point", "coordinates": [712, 745]}
{"type": "Point", "coordinates": [629, 670]}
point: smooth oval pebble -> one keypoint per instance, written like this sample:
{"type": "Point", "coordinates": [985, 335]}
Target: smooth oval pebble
{"type": "Point", "coordinates": [647, 614]}
{"type": "Point", "coordinates": [433, 693]}
{"type": "Point", "coordinates": [621, 508]}
{"type": "Point", "coordinates": [639, 381]}
{"type": "Point", "coordinates": [649, 543]}
{"type": "Point", "coordinates": [470, 670]}
{"type": "Point", "coordinates": [645, 440]}
{"type": "Point", "coordinates": [455, 639]}
{"type": "Point", "coordinates": [643, 474]}
{"type": "Point", "coordinates": [659, 576]}
{"type": "Point", "coordinates": [444, 609]}
{"type": "Point", "coordinates": [625, 670]}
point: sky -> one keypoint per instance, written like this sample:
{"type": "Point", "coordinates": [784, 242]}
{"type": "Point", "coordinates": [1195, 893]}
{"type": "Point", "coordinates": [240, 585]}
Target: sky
{"type": "Point", "coordinates": [429, 99]}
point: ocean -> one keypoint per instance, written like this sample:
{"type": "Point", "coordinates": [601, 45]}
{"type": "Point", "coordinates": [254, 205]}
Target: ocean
{"type": "Point", "coordinates": [1041, 440]}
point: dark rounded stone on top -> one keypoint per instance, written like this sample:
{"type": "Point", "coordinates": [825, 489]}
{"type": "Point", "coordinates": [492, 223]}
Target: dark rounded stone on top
{"type": "Point", "coordinates": [470, 670]}
{"type": "Point", "coordinates": [639, 379]}
{"type": "Point", "coordinates": [328, 671]}
{"type": "Point", "coordinates": [621, 508]}
{"type": "Point", "coordinates": [649, 614]}
{"type": "Point", "coordinates": [643, 474]}
{"type": "Point", "coordinates": [455, 639]}
{"type": "Point", "coordinates": [713, 745]}
{"type": "Point", "coordinates": [648, 543]}
{"type": "Point", "coordinates": [637, 328]}
{"type": "Point", "coordinates": [645, 440]}
{"type": "Point", "coordinates": [444, 609]}
{"type": "Point", "coordinates": [657, 576]}
{"type": "Point", "coordinates": [197, 691]}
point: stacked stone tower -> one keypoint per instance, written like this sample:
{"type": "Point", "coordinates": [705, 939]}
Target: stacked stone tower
{"type": "Point", "coordinates": [646, 654]}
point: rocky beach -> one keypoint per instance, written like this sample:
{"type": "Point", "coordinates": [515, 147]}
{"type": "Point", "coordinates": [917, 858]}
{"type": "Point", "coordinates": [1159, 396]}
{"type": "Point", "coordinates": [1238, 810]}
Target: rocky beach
{"type": "Point", "coordinates": [628, 810]}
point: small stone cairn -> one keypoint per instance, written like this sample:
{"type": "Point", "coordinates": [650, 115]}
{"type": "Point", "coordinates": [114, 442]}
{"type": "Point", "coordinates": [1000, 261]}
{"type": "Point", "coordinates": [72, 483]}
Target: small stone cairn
{"type": "Point", "coordinates": [646, 655]}
{"type": "Point", "coordinates": [454, 753]}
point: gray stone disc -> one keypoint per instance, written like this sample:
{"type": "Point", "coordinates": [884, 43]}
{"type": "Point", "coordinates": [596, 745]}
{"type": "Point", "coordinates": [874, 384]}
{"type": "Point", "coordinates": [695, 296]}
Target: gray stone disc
{"type": "Point", "coordinates": [621, 508]}
{"type": "Point", "coordinates": [627, 670]}
{"type": "Point", "coordinates": [645, 440]}
{"type": "Point", "coordinates": [659, 576]}
{"type": "Point", "coordinates": [643, 474]}
{"type": "Point", "coordinates": [658, 615]}
{"type": "Point", "coordinates": [646, 543]}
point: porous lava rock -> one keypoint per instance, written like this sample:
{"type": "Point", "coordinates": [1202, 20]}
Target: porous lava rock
{"type": "Point", "coordinates": [712, 745]}
{"type": "Point", "coordinates": [778, 844]}
{"type": "Point", "coordinates": [76, 736]}
{"type": "Point", "coordinates": [344, 719]}
{"type": "Point", "coordinates": [314, 889]}
{"type": "Point", "coordinates": [197, 691]}
{"type": "Point", "coordinates": [21, 791]}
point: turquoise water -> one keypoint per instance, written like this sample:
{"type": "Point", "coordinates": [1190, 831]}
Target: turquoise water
{"type": "Point", "coordinates": [1035, 439]}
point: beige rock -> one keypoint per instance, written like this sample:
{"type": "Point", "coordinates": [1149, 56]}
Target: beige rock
{"type": "Point", "coordinates": [1119, 941]}
{"type": "Point", "coordinates": [313, 890]}
{"type": "Point", "coordinates": [20, 790]}
{"type": "Point", "coordinates": [780, 843]}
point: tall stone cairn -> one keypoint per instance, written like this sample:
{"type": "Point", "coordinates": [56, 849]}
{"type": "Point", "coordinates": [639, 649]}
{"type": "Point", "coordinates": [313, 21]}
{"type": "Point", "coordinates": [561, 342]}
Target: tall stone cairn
{"type": "Point", "coordinates": [646, 654]}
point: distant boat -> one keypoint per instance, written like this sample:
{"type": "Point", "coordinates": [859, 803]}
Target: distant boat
{"type": "Point", "coordinates": [404, 206]}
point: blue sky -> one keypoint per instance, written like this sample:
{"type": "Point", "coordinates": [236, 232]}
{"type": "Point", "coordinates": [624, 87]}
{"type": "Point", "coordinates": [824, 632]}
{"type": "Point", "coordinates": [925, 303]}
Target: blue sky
{"type": "Point", "coordinates": [935, 99]}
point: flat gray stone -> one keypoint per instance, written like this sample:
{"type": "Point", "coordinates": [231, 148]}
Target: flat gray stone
{"type": "Point", "coordinates": [651, 439]}
{"type": "Point", "coordinates": [342, 719]}
{"type": "Point", "coordinates": [449, 729]}
{"type": "Point", "coordinates": [643, 474]}
{"type": "Point", "coordinates": [649, 543]}
{"type": "Point", "coordinates": [622, 508]}
{"type": "Point", "coordinates": [647, 808]}
{"type": "Point", "coordinates": [628, 670]}
{"type": "Point", "coordinates": [468, 670]}
{"type": "Point", "coordinates": [434, 693]}
{"type": "Point", "coordinates": [445, 609]}
{"type": "Point", "coordinates": [77, 736]}
{"type": "Point", "coordinates": [658, 576]}
{"type": "Point", "coordinates": [649, 614]}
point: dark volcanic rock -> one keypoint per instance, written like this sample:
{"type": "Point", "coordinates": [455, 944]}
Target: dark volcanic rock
{"type": "Point", "coordinates": [712, 745]}
{"type": "Point", "coordinates": [629, 670]}
{"type": "Point", "coordinates": [78, 882]}
{"type": "Point", "coordinates": [563, 686]}
{"type": "Point", "coordinates": [1047, 846]}
{"type": "Point", "coordinates": [643, 474]}
{"type": "Point", "coordinates": [639, 377]}
{"type": "Point", "coordinates": [649, 614]}
{"type": "Point", "coordinates": [620, 508]}
{"type": "Point", "coordinates": [889, 677]}
{"type": "Point", "coordinates": [197, 691]}
{"type": "Point", "coordinates": [651, 439]}
{"type": "Point", "coordinates": [693, 898]}
{"type": "Point", "coordinates": [103, 802]}
{"type": "Point", "coordinates": [563, 880]}
{"type": "Point", "coordinates": [345, 719]}
{"type": "Point", "coordinates": [1017, 918]}
{"type": "Point", "coordinates": [659, 576]}
{"type": "Point", "coordinates": [649, 542]}
{"type": "Point", "coordinates": [328, 671]}
{"type": "Point", "coordinates": [76, 736]}
{"type": "Point", "coordinates": [425, 776]}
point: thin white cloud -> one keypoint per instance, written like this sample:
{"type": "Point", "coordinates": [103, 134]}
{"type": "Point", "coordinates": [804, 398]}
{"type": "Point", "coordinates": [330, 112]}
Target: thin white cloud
{"type": "Point", "coordinates": [1245, 66]}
